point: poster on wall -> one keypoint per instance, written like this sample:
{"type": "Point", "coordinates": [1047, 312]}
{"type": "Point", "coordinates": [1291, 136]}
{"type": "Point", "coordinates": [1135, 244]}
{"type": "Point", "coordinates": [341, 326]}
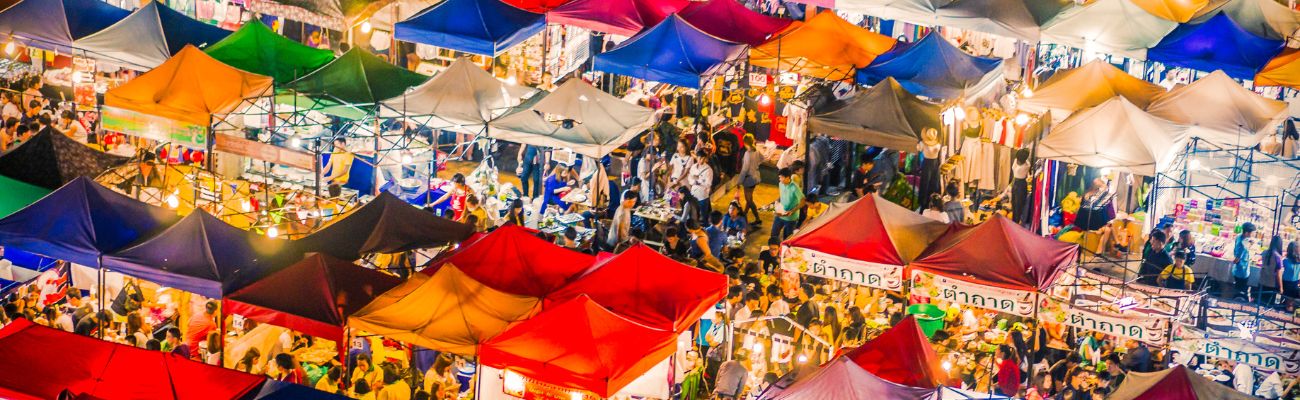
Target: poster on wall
{"type": "Point", "coordinates": [938, 287]}
{"type": "Point", "coordinates": [1265, 358]}
{"type": "Point", "coordinates": [1143, 327]}
{"type": "Point", "coordinates": [155, 128]}
{"type": "Point", "coordinates": [819, 264]}
{"type": "Point", "coordinates": [83, 82]}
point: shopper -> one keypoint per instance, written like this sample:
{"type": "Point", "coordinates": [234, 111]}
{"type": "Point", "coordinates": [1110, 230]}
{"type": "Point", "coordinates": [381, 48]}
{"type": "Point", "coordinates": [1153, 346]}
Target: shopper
{"type": "Point", "coordinates": [1291, 275]}
{"type": "Point", "coordinates": [1270, 273]}
{"type": "Point", "coordinates": [790, 202]}
{"type": "Point", "coordinates": [1241, 262]}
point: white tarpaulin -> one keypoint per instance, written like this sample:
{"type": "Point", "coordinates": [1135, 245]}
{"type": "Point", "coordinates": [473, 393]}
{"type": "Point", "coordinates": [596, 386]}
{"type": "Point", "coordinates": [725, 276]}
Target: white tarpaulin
{"type": "Point", "coordinates": [462, 98]}
{"type": "Point", "coordinates": [1017, 19]}
{"type": "Point", "coordinates": [915, 11]}
{"type": "Point", "coordinates": [1087, 86]}
{"type": "Point", "coordinates": [598, 122]}
{"type": "Point", "coordinates": [1115, 134]}
{"type": "Point", "coordinates": [1219, 110]}
{"type": "Point", "coordinates": [1266, 18]}
{"type": "Point", "coordinates": [1113, 26]}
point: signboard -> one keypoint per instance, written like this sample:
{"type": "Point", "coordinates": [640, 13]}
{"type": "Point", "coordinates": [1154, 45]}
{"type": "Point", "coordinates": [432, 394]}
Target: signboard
{"type": "Point", "coordinates": [263, 151]}
{"type": "Point", "coordinates": [1096, 291]}
{"type": "Point", "coordinates": [1010, 301]}
{"type": "Point", "coordinates": [1153, 330]}
{"type": "Point", "coordinates": [155, 128]}
{"type": "Point", "coordinates": [83, 82]}
{"type": "Point", "coordinates": [1240, 350]}
{"type": "Point", "coordinates": [816, 263]}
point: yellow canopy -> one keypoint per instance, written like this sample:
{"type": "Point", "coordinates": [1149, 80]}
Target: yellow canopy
{"type": "Point", "coordinates": [448, 311]}
{"type": "Point", "coordinates": [189, 87]}
{"type": "Point", "coordinates": [1283, 70]}
{"type": "Point", "coordinates": [826, 47]}
{"type": "Point", "coordinates": [1087, 86]}
{"type": "Point", "coordinates": [1174, 10]}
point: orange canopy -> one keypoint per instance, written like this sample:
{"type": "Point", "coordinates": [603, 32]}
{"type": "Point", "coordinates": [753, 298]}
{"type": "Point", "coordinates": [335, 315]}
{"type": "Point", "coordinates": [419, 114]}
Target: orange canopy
{"type": "Point", "coordinates": [826, 47]}
{"type": "Point", "coordinates": [189, 87]}
{"type": "Point", "coordinates": [1282, 70]}
{"type": "Point", "coordinates": [448, 311]}
{"type": "Point", "coordinates": [1173, 10]}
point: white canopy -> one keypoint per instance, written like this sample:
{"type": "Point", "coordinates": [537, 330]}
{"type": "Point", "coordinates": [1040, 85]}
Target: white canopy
{"type": "Point", "coordinates": [1087, 86]}
{"type": "Point", "coordinates": [462, 98]}
{"type": "Point", "coordinates": [915, 11]}
{"type": "Point", "coordinates": [1219, 110]}
{"type": "Point", "coordinates": [1113, 26]}
{"type": "Point", "coordinates": [600, 121]}
{"type": "Point", "coordinates": [1009, 18]}
{"type": "Point", "coordinates": [1266, 18]}
{"type": "Point", "coordinates": [1115, 134]}
{"type": "Point", "coordinates": [841, 379]}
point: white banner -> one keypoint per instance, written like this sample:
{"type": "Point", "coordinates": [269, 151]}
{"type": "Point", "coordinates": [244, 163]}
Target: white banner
{"type": "Point", "coordinates": [816, 263]}
{"type": "Point", "coordinates": [1010, 301]}
{"type": "Point", "coordinates": [1149, 329]}
{"type": "Point", "coordinates": [1243, 351]}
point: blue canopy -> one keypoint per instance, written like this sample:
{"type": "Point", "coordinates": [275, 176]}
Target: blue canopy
{"type": "Point", "coordinates": [150, 35]}
{"type": "Point", "coordinates": [487, 27]}
{"type": "Point", "coordinates": [55, 24]}
{"type": "Point", "coordinates": [281, 390]}
{"type": "Point", "coordinates": [80, 222]}
{"type": "Point", "coordinates": [204, 255]}
{"type": "Point", "coordinates": [934, 68]}
{"type": "Point", "coordinates": [1219, 43]}
{"type": "Point", "coordinates": [673, 52]}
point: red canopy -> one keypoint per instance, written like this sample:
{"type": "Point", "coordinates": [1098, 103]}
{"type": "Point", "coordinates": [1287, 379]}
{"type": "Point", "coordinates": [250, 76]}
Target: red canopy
{"type": "Point", "coordinates": [730, 20]}
{"type": "Point", "coordinates": [647, 287]}
{"type": "Point", "coordinates": [512, 260]}
{"type": "Point", "coordinates": [870, 229]}
{"type": "Point", "coordinates": [537, 6]}
{"type": "Point", "coordinates": [619, 17]}
{"type": "Point", "coordinates": [997, 253]}
{"type": "Point", "coordinates": [41, 362]}
{"type": "Point", "coordinates": [580, 345]}
{"type": "Point", "coordinates": [901, 355]}
{"type": "Point", "coordinates": [1177, 383]}
{"type": "Point", "coordinates": [326, 290]}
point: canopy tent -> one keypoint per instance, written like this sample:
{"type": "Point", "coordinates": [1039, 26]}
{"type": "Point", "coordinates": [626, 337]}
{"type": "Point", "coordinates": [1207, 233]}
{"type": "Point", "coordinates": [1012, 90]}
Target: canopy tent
{"type": "Point", "coordinates": [462, 98]}
{"type": "Point", "coordinates": [537, 6]}
{"type": "Point", "coordinates": [580, 345]}
{"type": "Point", "coordinates": [41, 363]}
{"type": "Point", "coordinates": [934, 68]}
{"type": "Point", "coordinates": [346, 10]}
{"type": "Point", "coordinates": [55, 24]}
{"type": "Point", "coordinates": [1173, 383]}
{"type": "Point", "coordinates": [386, 224]}
{"type": "Point", "coordinates": [914, 11]}
{"type": "Point", "coordinates": [51, 159]}
{"type": "Point", "coordinates": [1266, 18]}
{"type": "Point", "coordinates": [356, 77]}
{"type": "Point", "coordinates": [512, 260]}
{"type": "Point", "coordinates": [202, 254]}
{"type": "Point", "coordinates": [1087, 86]}
{"type": "Point", "coordinates": [901, 355]}
{"type": "Point", "coordinates": [16, 194]}
{"type": "Point", "coordinates": [1282, 70]}
{"type": "Point", "coordinates": [674, 51]}
{"type": "Point", "coordinates": [886, 115]}
{"type": "Point", "coordinates": [590, 121]}
{"type": "Point", "coordinates": [326, 290]}
{"type": "Point", "coordinates": [1008, 18]}
{"type": "Point", "coordinates": [732, 21]}
{"type": "Point", "coordinates": [1174, 10]}
{"type": "Point", "coordinates": [997, 253]}
{"type": "Point", "coordinates": [150, 35]}
{"type": "Point", "coordinates": [1216, 44]}
{"type": "Point", "coordinates": [618, 17]}
{"type": "Point", "coordinates": [869, 229]}
{"type": "Point", "coordinates": [448, 311]}
{"type": "Point", "coordinates": [255, 48]}
{"type": "Point", "coordinates": [281, 390]}
{"type": "Point", "coordinates": [81, 221]}
{"type": "Point", "coordinates": [1115, 134]}
{"type": "Point", "coordinates": [648, 288]}
{"type": "Point", "coordinates": [825, 47]}
{"type": "Point", "coordinates": [487, 27]}
{"type": "Point", "coordinates": [1219, 110]}
{"type": "Point", "coordinates": [1112, 26]}
{"type": "Point", "coordinates": [190, 87]}
{"type": "Point", "coordinates": [842, 379]}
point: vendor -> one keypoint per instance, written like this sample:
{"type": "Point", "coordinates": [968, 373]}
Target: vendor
{"type": "Point", "coordinates": [554, 188]}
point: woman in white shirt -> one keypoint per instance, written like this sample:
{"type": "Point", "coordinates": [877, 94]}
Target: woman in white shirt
{"type": "Point", "coordinates": [69, 125]}
{"type": "Point", "coordinates": [699, 179]}
{"type": "Point", "coordinates": [677, 166]}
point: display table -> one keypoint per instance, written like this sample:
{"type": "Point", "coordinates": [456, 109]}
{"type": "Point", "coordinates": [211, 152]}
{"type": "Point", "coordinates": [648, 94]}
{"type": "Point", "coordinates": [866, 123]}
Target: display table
{"type": "Point", "coordinates": [1220, 269]}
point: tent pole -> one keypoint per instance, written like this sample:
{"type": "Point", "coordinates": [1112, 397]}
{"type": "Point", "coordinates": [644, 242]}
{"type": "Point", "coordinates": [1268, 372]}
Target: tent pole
{"type": "Point", "coordinates": [99, 262]}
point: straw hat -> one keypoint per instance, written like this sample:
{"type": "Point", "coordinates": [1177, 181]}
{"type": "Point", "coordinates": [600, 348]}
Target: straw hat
{"type": "Point", "coordinates": [930, 136]}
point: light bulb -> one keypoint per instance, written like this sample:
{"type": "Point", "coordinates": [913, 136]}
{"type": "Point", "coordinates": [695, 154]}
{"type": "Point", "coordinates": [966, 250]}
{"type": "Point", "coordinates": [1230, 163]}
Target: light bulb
{"type": "Point", "coordinates": [272, 232]}
{"type": "Point", "coordinates": [1027, 92]}
{"type": "Point", "coordinates": [10, 47]}
{"type": "Point", "coordinates": [173, 201]}
{"type": "Point", "coordinates": [76, 77]}
{"type": "Point", "coordinates": [1270, 180]}
{"type": "Point", "coordinates": [1022, 119]}
{"type": "Point", "coordinates": [582, 97]}
{"type": "Point", "coordinates": [245, 206]}
{"type": "Point", "coordinates": [365, 26]}
{"type": "Point", "coordinates": [803, 359]}
{"type": "Point", "coordinates": [511, 80]}
{"type": "Point", "coordinates": [295, 142]}
{"type": "Point", "coordinates": [764, 100]}
{"type": "Point", "coordinates": [959, 113]}
{"type": "Point", "coordinates": [514, 383]}
{"type": "Point", "coordinates": [758, 347]}
{"type": "Point", "coordinates": [575, 395]}
{"type": "Point", "coordinates": [1194, 164]}
{"type": "Point", "coordinates": [947, 365]}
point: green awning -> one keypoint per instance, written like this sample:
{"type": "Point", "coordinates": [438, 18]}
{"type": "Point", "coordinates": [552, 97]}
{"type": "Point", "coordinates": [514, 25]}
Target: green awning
{"type": "Point", "coordinates": [14, 195]}
{"type": "Point", "coordinates": [257, 49]}
{"type": "Point", "coordinates": [356, 77]}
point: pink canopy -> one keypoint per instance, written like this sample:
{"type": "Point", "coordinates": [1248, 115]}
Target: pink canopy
{"type": "Point", "coordinates": [901, 355]}
{"type": "Point", "coordinates": [512, 260]}
{"type": "Point", "coordinates": [730, 20]}
{"type": "Point", "coordinates": [619, 17]}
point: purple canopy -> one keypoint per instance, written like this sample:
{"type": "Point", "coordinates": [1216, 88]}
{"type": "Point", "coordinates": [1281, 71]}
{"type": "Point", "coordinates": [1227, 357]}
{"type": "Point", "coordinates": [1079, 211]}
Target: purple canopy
{"type": "Point", "coordinates": [204, 255]}
{"type": "Point", "coordinates": [672, 52]}
{"type": "Point", "coordinates": [80, 222]}
{"type": "Point", "coordinates": [730, 20]}
{"type": "Point", "coordinates": [619, 17]}
{"type": "Point", "coordinates": [1217, 44]}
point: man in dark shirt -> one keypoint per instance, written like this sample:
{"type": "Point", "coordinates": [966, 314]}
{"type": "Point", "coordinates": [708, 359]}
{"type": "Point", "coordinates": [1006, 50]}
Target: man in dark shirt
{"type": "Point", "coordinates": [90, 324]}
{"type": "Point", "coordinates": [861, 177]}
{"type": "Point", "coordinates": [771, 258]}
{"type": "Point", "coordinates": [1154, 260]}
{"type": "Point", "coordinates": [1138, 358]}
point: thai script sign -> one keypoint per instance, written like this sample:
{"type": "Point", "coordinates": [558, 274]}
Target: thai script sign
{"type": "Point", "coordinates": [1010, 301]}
{"type": "Point", "coordinates": [816, 263]}
{"type": "Point", "coordinates": [1149, 329]}
{"type": "Point", "coordinates": [1243, 351]}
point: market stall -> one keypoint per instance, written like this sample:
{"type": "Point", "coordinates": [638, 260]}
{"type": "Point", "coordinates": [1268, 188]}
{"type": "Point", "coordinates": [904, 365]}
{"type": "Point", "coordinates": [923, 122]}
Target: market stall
{"type": "Point", "coordinates": [1220, 111]}
{"type": "Point", "coordinates": [149, 36]}
{"type": "Point", "coordinates": [934, 68]}
{"type": "Point", "coordinates": [1117, 27]}
{"type": "Point", "coordinates": [576, 116]}
{"type": "Point", "coordinates": [617, 17]}
{"type": "Point", "coordinates": [673, 51]}
{"type": "Point", "coordinates": [56, 24]}
{"type": "Point", "coordinates": [1178, 382]}
{"type": "Point", "coordinates": [463, 98]}
{"type": "Point", "coordinates": [886, 115]}
{"type": "Point", "coordinates": [1188, 46]}
{"type": "Point", "coordinates": [487, 27]}
{"type": "Point", "coordinates": [825, 46]}
{"type": "Point", "coordinates": [255, 48]}
{"type": "Point", "coordinates": [901, 355]}
{"type": "Point", "coordinates": [842, 379]}
{"type": "Point", "coordinates": [1089, 85]}
{"type": "Point", "coordinates": [730, 20]}
{"type": "Point", "coordinates": [51, 159]}
{"type": "Point", "coordinates": [1115, 134]}
{"type": "Point", "coordinates": [511, 259]}
{"type": "Point", "coordinates": [386, 224]}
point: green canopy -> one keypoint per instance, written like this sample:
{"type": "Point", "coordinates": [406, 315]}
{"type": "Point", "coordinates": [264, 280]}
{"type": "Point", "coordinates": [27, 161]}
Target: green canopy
{"type": "Point", "coordinates": [14, 195]}
{"type": "Point", "coordinates": [356, 77]}
{"type": "Point", "coordinates": [257, 49]}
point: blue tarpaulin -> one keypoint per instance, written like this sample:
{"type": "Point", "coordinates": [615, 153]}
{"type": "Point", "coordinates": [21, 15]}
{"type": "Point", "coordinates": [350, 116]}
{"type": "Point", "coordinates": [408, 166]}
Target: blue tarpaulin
{"type": "Point", "coordinates": [204, 255]}
{"type": "Point", "coordinates": [1219, 43]}
{"type": "Point", "coordinates": [81, 221]}
{"type": "Point", "coordinates": [934, 68]}
{"type": "Point", "coordinates": [150, 35]}
{"type": "Point", "coordinates": [55, 24]}
{"type": "Point", "coordinates": [487, 27]}
{"type": "Point", "coordinates": [672, 52]}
